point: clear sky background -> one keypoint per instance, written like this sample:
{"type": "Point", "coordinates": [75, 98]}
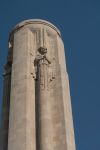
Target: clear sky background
{"type": "Point", "coordinates": [79, 23]}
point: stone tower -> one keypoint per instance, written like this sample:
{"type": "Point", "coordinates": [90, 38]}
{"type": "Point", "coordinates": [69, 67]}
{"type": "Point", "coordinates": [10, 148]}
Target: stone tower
{"type": "Point", "coordinates": [37, 111]}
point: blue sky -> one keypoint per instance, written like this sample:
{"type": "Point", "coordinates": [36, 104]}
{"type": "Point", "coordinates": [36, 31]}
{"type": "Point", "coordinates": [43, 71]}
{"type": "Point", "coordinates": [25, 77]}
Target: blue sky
{"type": "Point", "coordinates": [79, 23]}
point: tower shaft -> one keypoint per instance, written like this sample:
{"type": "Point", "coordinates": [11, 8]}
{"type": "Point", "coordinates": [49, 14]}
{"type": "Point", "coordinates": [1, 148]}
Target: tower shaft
{"type": "Point", "coordinates": [40, 115]}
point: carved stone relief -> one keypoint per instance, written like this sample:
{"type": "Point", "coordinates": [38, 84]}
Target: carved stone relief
{"type": "Point", "coordinates": [43, 66]}
{"type": "Point", "coordinates": [44, 69]}
{"type": "Point", "coordinates": [34, 41]}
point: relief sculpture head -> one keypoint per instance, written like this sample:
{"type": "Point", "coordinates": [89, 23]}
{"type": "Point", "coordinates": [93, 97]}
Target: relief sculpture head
{"type": "Point", "coordinates": [42, 50]}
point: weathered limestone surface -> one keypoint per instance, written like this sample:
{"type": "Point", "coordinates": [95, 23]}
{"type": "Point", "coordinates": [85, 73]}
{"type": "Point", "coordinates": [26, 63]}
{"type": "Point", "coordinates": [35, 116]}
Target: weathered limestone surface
{"type": "Point", "coordinates": [40, 116]}
{"type": "Point", "coordinates": [5, 108]}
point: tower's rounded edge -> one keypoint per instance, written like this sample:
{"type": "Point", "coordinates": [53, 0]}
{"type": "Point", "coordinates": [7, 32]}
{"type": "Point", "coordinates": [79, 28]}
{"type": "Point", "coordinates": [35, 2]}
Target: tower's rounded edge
{"type": "Point", "coordinates": [34, 21]}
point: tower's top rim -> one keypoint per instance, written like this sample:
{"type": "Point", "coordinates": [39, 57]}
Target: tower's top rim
{"type": "Point", "coordinates": [34, 21]}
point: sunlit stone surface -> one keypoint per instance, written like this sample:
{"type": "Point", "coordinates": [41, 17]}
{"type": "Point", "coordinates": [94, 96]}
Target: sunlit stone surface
{"type": "Point", "coordinates": [37, 111]}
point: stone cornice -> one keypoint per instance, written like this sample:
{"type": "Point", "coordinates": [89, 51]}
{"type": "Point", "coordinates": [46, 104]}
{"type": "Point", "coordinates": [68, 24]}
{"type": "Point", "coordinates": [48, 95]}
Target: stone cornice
{"type": "Point", "coordinates": [34, 21]}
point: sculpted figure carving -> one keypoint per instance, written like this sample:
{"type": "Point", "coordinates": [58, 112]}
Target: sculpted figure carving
{"type": "Point", "coordinates": [43, 68]}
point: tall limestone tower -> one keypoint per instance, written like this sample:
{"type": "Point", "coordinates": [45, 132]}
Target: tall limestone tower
{"type": "Point", "coordinates": [37, 111]}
